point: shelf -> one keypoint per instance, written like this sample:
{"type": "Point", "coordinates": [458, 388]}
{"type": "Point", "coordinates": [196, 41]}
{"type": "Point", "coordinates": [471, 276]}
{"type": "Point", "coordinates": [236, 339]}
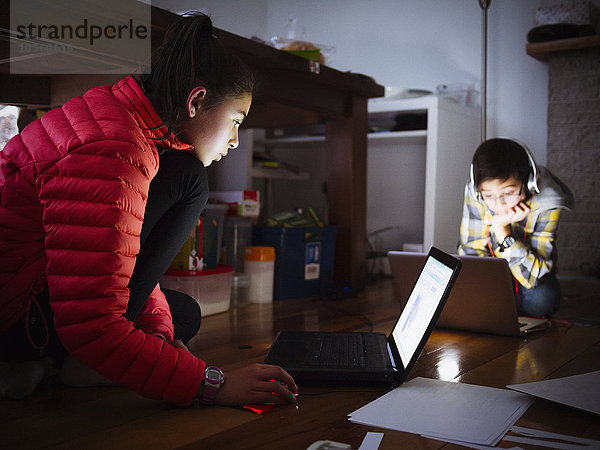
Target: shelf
{"type": "Point", "coordinates": [293, 139]}
{"type": "Point", "coordinates": [412, 134]}
{"type": "Point", "coordinates": [265, 172]}
{"type": "Point", "coordinates": [543, 50]}
{"type": "Point", "coordinates": [430, 164]}
{"type": "Point", "coordinates": [404, 135]}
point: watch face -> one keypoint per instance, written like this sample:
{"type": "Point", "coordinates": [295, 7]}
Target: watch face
{"type": "Point", "coordinates": [213, 375]}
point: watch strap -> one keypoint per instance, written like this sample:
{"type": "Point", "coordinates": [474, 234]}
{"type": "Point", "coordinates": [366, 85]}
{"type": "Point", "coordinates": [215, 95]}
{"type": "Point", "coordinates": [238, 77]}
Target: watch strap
{"type": "Point", "coordinates": [211, 386]}
{"type": "Point", "coordinates": [506, 243]}
{"type": "Point", "coordinates": [208, 394]}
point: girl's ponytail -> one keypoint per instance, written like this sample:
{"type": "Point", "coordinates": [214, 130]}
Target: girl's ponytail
{"type": "Point", "coordinates": [192, 56]}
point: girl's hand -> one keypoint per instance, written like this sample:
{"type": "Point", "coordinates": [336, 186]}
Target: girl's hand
{"type": "Point", "coordinates": [257, 383]}
{"type": "Point", "coordinates": [501, 222]}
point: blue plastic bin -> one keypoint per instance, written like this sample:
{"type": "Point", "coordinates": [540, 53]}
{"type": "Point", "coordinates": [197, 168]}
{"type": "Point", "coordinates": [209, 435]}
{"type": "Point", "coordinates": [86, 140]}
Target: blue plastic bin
{"type": "Point", "coordinates": [304, 259]}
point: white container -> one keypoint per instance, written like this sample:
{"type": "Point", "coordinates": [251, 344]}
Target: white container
{"type": "Point", "coordinates": [210, 288]}
{"type": "Point", "coordinates": [237, 234]}
{"type": "Point", "coordinates": [259, 264]}
{"type": "Point", "coordinates": [240, 288]}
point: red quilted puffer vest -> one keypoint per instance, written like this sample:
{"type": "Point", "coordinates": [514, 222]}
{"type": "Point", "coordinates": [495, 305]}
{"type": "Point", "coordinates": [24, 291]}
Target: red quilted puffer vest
{"type": "Point", "coordinates": [73, 189]}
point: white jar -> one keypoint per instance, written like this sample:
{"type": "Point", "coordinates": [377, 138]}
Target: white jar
{"type": "Point", "coordinates": [259, 264]}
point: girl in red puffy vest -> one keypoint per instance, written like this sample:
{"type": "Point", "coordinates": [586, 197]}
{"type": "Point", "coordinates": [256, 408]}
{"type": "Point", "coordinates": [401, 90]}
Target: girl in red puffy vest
{"type": "Point", "coordinates": [96, 199]}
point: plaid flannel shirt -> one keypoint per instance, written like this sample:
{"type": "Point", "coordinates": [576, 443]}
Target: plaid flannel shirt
{"type": "Point", "coordinates": [533, 254]}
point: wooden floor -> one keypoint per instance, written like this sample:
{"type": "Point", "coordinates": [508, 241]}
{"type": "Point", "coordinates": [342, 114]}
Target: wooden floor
{"type": "Point", "coordinates": [88, 418]}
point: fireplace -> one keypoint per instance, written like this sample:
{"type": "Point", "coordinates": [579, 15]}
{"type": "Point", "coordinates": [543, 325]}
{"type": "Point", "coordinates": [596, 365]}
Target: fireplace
{"type": "Point", "coordinates": [573, 146]}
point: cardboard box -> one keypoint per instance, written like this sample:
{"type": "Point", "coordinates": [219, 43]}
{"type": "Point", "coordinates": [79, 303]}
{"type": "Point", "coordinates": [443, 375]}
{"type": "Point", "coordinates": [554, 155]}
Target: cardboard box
{"type": "Point", "coordinates": [241, 203]}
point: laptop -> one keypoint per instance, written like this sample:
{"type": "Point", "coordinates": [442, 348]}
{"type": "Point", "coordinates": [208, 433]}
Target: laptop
{"type": "Point", "coordinates": [482, 299]}
{"type": "Point", "coordinates": [355, 358]}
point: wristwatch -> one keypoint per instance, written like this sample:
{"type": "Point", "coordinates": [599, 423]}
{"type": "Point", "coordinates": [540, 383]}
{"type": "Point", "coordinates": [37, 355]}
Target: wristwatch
{"type": "Point", "coordinates": [213, 379]}
{"type": "Point", "coordinates": [507, 242]}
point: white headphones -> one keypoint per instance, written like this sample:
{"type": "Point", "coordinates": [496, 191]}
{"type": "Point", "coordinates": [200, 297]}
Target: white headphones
{"type": "Point", "coordinates": [532, 180]}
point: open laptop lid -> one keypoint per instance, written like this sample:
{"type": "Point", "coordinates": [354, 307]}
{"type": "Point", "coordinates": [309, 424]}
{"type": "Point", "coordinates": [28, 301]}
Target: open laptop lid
{"type": "Point", "coordinates": [482, 299]}
{"type": "Point", "coordinates": [423, 307]}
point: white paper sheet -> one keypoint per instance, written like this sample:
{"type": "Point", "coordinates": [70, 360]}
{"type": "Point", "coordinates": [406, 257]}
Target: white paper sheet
{"type": "Point", "coordinates": [372, 441]}
{"type": "Point", "coordinates": [446, 410]}
{"type": "Point", "coordinates": [547, 439]}
{"type": "Point", "coordinates": [578, 391]}
{"type": "Point", "coordinates": [539, 438]}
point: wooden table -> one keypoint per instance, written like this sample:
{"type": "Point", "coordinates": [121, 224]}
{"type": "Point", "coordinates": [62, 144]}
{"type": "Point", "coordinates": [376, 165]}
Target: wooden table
{"type": "Point", "coordinates": [115, 418]}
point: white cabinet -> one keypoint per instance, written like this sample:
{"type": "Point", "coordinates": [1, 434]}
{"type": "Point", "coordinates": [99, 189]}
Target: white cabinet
{"type": "Point", "coordinates": [415, 178]}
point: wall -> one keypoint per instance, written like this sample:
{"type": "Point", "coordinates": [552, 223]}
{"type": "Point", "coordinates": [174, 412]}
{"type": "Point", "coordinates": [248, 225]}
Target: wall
{"type": "Point", "coordinates": [423, 43]}
{"type": "Point", "coordinates": [574, 154]}
{"type": "Point", "coordinates": [243, 17]}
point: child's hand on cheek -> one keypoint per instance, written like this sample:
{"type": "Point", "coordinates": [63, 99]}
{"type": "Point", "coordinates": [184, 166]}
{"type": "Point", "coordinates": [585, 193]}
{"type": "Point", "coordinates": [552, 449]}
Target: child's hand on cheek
{"type": "Point", "coordinates": [501, 222]}
{"type": "Point", "coordinates": [520, 212]}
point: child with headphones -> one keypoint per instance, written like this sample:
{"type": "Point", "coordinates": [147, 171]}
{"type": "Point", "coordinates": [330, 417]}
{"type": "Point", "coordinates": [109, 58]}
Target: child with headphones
{"type": "Point", "coordinates": [511, 211]}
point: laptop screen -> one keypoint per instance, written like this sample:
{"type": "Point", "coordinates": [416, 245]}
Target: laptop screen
{"type": "Point", "coordinates": [421, 307]}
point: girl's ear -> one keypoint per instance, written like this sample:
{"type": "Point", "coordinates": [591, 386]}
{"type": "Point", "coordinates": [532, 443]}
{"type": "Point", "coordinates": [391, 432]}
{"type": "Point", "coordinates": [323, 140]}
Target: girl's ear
{"type": "Point", "coordinates": [194, 100]}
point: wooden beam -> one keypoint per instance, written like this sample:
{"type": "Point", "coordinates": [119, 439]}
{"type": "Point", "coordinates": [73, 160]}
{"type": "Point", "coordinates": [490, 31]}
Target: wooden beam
{"type": "Point", "coordinates": [270, 114]}
{"type": "Point", "coordinates": [275, 87]}
{"type": "Point", "coordinates": [346, 147]}
{"type": "Point", "coordinates": [24, 90]}
{"type": "Point", "coordinates": [65, 87]}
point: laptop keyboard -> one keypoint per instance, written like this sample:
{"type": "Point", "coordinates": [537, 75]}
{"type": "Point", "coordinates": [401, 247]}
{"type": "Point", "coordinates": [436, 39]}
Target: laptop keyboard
{"type": "Point", "coordinates": [339, 350]}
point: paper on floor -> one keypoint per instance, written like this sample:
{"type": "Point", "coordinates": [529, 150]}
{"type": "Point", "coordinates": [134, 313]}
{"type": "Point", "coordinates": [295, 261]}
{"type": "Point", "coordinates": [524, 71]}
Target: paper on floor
{"type": "Point", "coordinates": [578, 391]}
{"type": "Point", "coordinates": [446, 410]}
